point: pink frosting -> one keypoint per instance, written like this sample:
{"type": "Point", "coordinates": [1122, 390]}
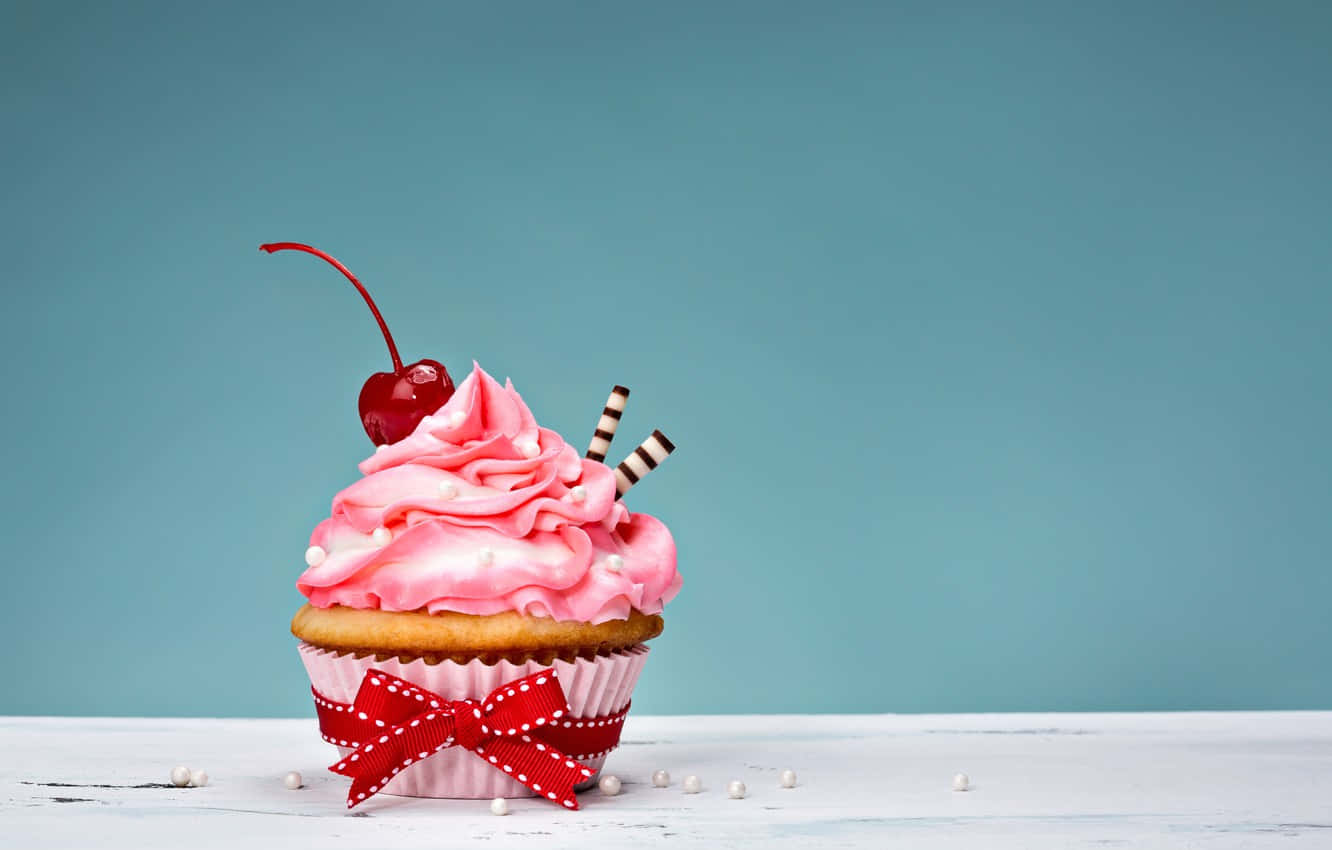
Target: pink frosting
{"type": "Point", "coordinates": [549, 554]}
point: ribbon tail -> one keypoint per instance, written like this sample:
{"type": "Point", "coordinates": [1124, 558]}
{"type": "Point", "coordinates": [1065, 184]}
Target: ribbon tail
{"type": "Point", "coordinates": [369, 770]}
{"type": "Point", "coordinates": [359, 792]}
{"type": "Point", "coordinates": [375, 764]}
{"type": "Point", "coordinates": [544, 769]}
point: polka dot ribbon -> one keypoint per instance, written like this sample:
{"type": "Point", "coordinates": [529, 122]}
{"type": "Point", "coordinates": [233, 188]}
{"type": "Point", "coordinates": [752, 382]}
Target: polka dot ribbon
{"type": "Point", "coordinates": [521, 728]}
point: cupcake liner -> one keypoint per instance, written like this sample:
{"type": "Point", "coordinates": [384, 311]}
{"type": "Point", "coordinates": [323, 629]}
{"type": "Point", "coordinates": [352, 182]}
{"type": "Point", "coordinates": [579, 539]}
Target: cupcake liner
{"type": "Point", "coordinates": [595, 687]}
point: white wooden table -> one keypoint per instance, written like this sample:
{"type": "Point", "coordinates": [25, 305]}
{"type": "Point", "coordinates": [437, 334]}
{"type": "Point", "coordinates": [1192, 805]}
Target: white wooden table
{"type": "Point", "coordinates": [1052, 780]}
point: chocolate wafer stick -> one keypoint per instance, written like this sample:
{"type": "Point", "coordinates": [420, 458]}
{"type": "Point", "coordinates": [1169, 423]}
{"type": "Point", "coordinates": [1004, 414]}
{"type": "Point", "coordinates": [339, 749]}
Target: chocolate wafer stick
{"type": "Point", "coordinates": [610, 420]}
{"type": "Point", "coordinates": [643, 460]}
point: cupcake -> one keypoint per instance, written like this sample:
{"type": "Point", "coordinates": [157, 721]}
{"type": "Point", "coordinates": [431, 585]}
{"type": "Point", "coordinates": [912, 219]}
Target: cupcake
{"type": "Point", "coordinates": [480, 558]}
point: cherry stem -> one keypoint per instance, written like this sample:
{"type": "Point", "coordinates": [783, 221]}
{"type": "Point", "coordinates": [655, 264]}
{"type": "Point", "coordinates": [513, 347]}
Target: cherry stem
{"type": "Point", "coordinates": [271, 247]}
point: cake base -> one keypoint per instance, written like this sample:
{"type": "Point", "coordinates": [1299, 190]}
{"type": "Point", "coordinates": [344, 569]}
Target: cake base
{"type": "Point", "coordinates": [463, 637]}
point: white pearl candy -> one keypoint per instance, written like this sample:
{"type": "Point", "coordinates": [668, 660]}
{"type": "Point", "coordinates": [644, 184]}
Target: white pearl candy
{"type": "Point", "coordinates": [381, 536]}
{"type": "Point", "coordinates": [692, 784]}
{"type": "Point", "coordinates": [486, 556]}
{"type": "Point", "coordinates": [292, 780]}
{"type": "Point", "coordinates": [198, 778]}
{"type": "Point", "coordinates": [578, 494]}
{"type": "Point", "coordinates": [661, 778]}
{"type": "Point", "coordinates": [315, 555]}
{"type": "Point", "coordinates": [614, 563]}
{"type": "Point", "coordinates": [788, 779]}
{"type": "Point", "coordinates": [961, 782]}
{"type": "Point", "coordinates": [529, 448]}
{"type": "Point", "coordinates": [448, 490]}
{"type": "Point", "coordinates": [499, 807]}
{"type": "Point", "coordinates": [609, 785]}
{"type": "Point", "coordinates": [735, 789]}
{"type": "Point", "coordinates": [379, 448]}
{"type": "Point", "coordinates": [180, 776]}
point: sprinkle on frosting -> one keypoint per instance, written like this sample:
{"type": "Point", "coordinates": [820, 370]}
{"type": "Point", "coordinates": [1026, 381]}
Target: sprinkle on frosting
{"type": "Point", "coordinates": [545, 514]}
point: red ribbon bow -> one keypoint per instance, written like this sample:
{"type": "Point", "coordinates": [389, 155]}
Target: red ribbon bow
{"type": "Point", "coordinates": [393, 724]}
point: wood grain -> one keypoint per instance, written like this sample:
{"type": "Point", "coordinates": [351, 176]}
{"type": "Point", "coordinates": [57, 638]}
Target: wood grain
{"type": "Point", "coordinates": [1211, 780]}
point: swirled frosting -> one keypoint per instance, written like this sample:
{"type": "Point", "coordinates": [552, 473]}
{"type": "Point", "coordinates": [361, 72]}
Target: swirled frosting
{"type": "Point", "coordinates": [481, 511]}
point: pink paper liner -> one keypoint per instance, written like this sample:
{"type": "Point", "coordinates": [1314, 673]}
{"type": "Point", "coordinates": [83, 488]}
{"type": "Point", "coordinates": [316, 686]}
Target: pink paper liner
{"type": "Point", "coordinates": [600, 686]}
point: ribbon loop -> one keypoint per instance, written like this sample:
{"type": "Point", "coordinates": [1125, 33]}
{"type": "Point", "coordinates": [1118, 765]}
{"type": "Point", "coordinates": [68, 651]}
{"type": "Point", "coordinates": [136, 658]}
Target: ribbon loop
{"type": "Point", "coordinates": [386, 699]}
{"type": "Point", "coordinates": [524, 704]}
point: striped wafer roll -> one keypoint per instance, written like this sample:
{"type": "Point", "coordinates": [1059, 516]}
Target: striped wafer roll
{"type": "Point", "coordinates": [610, 420]}
{"type": "Point", "coordinates": [644, 459]}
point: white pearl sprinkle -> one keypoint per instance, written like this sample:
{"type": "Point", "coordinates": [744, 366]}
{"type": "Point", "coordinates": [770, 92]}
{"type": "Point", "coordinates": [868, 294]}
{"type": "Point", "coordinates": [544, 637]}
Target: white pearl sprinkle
{"type": "Point", "coordinates": [788, 779]}
{"type": "Point", "coordinates": [609, 785]}
{"type": "Point", "coordinates": [578, 494]}
{"type": "Point", "coordinates": [661, 778]}
{"type": "Point", "coordinates": [180, 776]}
{"type": "Point", "coordinates": [614, 563]}
{"type": "Point", "coordinates": [448, 490]}
{"type": "Point", "coordinates": [315, 555]}
{"type": "Point", "coordinates": [381, 536]}
{"type": "Point", "coordinates": [292, 780]}
{"type": "Point", "coordinates": [379, 448]}
{"type": "Point", "coordinates": [735, 789]}
{"type": "Point", "coordinates": [198, 778]}
{"type": "Point", "coordinates": [529, 448]}
{"type": "Point", "coordinates": [486, 556]}
{"type": "Point", "coordinates": [692, 784]}
{"type": "Point", "coordinates": [456, 418]}
{"type": "Point", "coordinates": [499, 807]}
{"type": "Point", "coordinates": [961, 782]}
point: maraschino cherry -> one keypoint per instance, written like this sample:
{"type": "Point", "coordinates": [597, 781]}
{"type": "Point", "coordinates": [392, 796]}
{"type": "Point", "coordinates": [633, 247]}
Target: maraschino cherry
{"type": "Point", "coordinates": [391, 403]}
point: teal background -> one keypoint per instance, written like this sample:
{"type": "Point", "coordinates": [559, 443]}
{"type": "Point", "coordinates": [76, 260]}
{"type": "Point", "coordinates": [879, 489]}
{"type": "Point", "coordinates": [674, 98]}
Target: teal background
{"type": "Point", "coordinates": [995, 337]}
